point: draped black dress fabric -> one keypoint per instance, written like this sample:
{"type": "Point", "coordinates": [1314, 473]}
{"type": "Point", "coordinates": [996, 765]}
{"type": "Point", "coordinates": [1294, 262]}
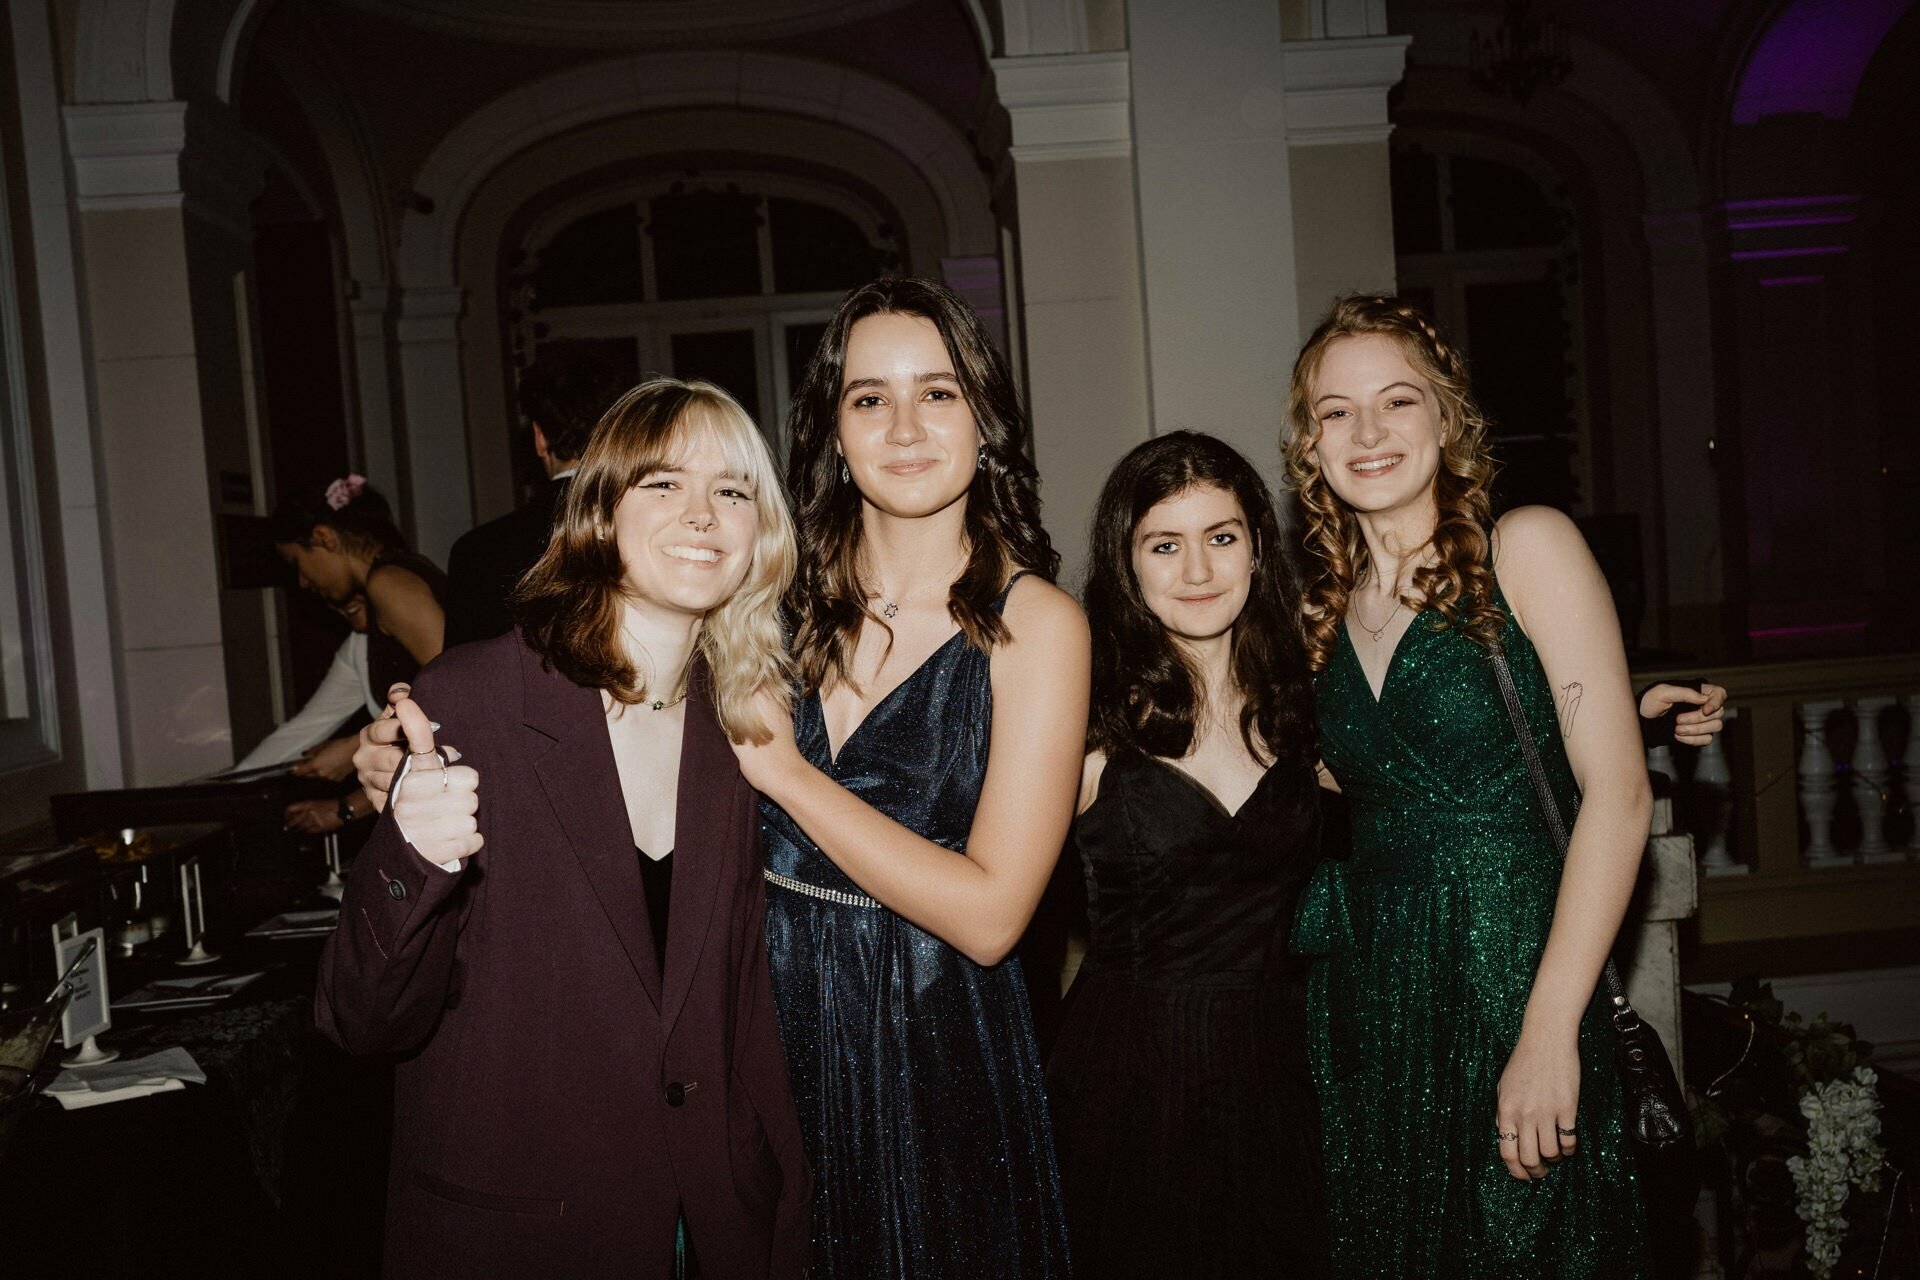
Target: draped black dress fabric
{"type": "Point", "coordinates": [915, 1070]}
{"type": "Point", "coordinates": [388, 661]}
{"type": "Point", "coordinates": [1183, 1106]}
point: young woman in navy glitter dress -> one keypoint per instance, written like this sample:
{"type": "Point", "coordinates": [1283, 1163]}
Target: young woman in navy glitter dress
{"type": "Point", "coordinates": [916, 813]}
{"type": "Point", "coordinates": [1183, 1107]}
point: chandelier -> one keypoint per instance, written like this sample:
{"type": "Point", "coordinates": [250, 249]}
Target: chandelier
{"type": "Point", "coordinates": [1521, 55]}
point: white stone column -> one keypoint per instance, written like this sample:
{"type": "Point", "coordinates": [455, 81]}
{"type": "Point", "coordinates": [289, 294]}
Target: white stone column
{"type": "Point", "coordinates": [1337, 131]}
{"type": "Point", "coordinates": [371, 317]}
{"type": "Point", "coordinates": [59, 296]}
{"type": "Point", "coordinates": [162, 191]}
{"type": "Point", "coordinates": [438, 487]}
{"type": "Point", "coordinates": [1216, 218]}
{"type": "Point", "coordinates": [1650, 955]}
{"type": "Point", "coordinates": [1080, 322]}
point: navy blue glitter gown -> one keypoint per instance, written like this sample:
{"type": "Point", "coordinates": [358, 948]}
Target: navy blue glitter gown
{"type": "Point", "coordinates": [918, 1081]}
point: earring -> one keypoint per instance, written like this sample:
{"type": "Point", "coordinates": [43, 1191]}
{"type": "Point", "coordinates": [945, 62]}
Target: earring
{"type": "Point", "coordinates": [845, 475]}
{"type": "Point", "coordinates": [981, 460]}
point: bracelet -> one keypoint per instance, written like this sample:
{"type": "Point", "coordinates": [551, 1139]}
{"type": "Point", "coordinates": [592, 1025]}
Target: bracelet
{"type": "Point", "coordinates": [344, 810]}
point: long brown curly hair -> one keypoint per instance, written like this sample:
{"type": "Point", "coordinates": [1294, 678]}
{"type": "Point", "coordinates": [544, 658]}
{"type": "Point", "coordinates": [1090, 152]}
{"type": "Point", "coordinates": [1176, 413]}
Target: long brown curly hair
{"type": "Point", "coordinates": [828, 603]}
{"type": "Point", "coordinates": [1459, 585]}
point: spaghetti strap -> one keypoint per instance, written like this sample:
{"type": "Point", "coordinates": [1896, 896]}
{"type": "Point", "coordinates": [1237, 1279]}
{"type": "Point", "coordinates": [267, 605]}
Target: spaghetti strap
{"type": "Point", "coordinates": [1000, 601]}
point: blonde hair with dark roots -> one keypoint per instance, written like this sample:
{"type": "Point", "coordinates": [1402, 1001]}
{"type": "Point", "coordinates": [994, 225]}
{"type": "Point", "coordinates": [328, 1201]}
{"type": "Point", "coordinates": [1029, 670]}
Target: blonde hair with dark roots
{"type": "Point", "coordinates": [1459, 586]}
{"type": "Point", "coordinates": [570, 603]}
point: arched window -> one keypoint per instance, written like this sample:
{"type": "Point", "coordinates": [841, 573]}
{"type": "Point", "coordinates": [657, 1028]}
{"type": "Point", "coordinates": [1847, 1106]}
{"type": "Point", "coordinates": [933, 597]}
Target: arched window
{"type": "Point", "coordinates": [725, 276]}
{"type": "Point", "coordinates": [1486, 242]}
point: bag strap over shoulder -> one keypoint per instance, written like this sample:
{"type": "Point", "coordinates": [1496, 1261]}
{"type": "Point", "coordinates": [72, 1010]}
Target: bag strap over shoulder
{"type": "Point", "coordinates": [1549, 805]}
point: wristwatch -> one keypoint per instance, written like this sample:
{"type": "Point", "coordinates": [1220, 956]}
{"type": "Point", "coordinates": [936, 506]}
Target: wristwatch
{"type": "Point", "coordinates": [345, 809]}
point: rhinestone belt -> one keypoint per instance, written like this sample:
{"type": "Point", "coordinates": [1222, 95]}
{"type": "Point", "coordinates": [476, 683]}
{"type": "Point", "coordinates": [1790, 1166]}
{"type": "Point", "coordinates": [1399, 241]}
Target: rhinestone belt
{"type": "Point", "coordinates": [840, 896]}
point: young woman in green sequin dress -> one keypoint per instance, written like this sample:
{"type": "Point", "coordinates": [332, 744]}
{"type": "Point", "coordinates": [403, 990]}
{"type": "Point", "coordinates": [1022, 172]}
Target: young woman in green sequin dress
{"type": "Point", "coordinates": [1472, 1112]}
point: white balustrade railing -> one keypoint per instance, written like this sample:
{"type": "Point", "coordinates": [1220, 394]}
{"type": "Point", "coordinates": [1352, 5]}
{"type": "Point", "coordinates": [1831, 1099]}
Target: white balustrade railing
{"type": "Point", "coordinates": [1868, 771]}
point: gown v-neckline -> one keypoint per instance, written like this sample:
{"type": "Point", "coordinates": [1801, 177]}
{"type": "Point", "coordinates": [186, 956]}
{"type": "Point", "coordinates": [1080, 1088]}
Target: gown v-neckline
{"type": "Point", "coordinates": [1212, 797]}
{"type": "Point", "coordinates": [836, 754]}
{"type": "Point", "coordinates": [1393, 659]}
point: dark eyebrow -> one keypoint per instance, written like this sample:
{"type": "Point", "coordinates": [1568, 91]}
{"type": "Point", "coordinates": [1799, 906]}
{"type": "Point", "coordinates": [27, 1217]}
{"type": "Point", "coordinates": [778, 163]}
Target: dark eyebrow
{"type": "Point", "coordinates": [939, 376]}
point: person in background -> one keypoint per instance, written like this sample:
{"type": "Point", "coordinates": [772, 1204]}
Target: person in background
{"type": "Point", "coordinates": [561, 397]}
{"type": "Point", "coordinates": [342, 543]}
{"type": "Point", "coordinates": [343, 692]}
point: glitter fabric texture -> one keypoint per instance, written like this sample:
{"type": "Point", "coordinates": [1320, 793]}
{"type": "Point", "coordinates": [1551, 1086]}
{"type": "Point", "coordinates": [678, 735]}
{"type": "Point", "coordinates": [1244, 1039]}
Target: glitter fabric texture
{"type": "Point", "coordinates": [1429, 937]}
{"type": "Point", "coordinates": [915, 1071]}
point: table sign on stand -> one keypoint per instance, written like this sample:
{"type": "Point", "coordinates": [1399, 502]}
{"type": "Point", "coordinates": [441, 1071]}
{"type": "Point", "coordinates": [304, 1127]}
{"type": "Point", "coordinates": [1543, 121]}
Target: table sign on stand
{"type": "Point", "coordinates": [87, 1013]}
{"type": "Point", "coordinates": [193, 912]}
{"type": "Point", "coordinates": [333, 886]}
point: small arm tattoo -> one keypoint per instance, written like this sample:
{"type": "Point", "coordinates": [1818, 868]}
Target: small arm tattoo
{"type": "Point", "coordinates": [1570, 695]}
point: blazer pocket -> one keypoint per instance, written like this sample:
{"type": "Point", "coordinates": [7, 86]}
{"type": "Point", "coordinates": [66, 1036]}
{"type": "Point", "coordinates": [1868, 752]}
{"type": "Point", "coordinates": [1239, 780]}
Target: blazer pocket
{"type": "Point", "coordinates": [468, 1196]}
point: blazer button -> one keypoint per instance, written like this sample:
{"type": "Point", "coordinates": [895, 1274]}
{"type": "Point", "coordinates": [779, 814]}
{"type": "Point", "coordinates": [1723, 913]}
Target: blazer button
{"type": "Point", "coordinates": [396, 891]}
{"type": "Point", "coordinates": [676, 1094]}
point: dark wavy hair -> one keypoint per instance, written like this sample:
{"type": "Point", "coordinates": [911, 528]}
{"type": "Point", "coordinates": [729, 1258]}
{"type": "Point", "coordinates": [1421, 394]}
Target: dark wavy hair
{"type": "Point", "coordinates": [1459, 585]}
{"type": "Point", "coordinates": [363, 521]}
{"type": "Point", "coordinates": [1147, 693]}
{"type": "Point", "coordinates": [564, 393]}
{"type": "Point", "coordinates": [1004, 534]}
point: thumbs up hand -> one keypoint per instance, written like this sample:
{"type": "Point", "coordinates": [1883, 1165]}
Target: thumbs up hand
{"type": "Point", "coordinates": [436, 809]}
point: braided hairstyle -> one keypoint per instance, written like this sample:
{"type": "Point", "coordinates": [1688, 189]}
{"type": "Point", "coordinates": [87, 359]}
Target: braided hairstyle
{"type": "Point", "coordinates": [1459, 585]}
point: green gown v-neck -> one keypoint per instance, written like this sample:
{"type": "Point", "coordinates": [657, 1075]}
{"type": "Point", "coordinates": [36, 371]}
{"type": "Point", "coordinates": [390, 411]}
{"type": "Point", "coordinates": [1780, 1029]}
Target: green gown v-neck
{"type": "Point", "coordinates": [1428, 938]}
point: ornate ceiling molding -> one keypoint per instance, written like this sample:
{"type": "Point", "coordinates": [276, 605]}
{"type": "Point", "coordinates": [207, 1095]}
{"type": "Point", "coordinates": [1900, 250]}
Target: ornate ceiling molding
{"type": "Point", "coordinates": [629, 23]}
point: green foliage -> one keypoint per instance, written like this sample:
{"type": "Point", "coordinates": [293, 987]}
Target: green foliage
{"type": "Point", "coordinates": [1789, 1057]}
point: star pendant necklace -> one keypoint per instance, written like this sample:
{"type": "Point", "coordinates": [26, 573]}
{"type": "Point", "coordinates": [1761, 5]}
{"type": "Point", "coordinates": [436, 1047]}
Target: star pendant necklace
{"type": "Point", "coordinates": [653, 704]}
{"type": "Point", "coordinates": [890, 609]}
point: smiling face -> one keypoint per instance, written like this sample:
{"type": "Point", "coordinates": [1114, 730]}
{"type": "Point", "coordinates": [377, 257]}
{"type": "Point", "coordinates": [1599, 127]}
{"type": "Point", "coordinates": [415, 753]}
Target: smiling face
{"type": "Point", "coordinates": [686, 532]}
{"type": "Point", "coordinates": [905, 428]}
{"type": "Point", "coordinates": [1380, 428]}
{"type": "Point", "coordinates": [1193, 559]}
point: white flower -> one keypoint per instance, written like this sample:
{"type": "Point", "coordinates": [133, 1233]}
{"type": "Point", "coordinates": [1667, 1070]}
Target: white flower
{"type": "Point", "coordinates": [1843, 1152]}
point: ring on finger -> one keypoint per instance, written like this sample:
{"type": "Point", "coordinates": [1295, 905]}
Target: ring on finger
{"type": "Point", "coordinates": [1506, 1137]}
{"type": "Point", "coordinates": [1566, 1133]}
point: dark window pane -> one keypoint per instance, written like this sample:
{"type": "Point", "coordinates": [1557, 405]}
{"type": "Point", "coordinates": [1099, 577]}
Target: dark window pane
{"type": "Point", "coordinates": [621, 355]}
{"type": "Point", "coordinates": [816, 249]}
{"type": "Point", "coordinates": [594, 260]}
{"type": "Point", "coordinates": [705, 245]}
{"type": "Point", "coordinates": [1496, 206]}
{"type": "Point", "coordinates": [1521, 348]}
{"type": "Point", "coordinates": [726, 359]}
{"type": "Point", "coordinates": [1416, 202]}
{"type": "Point", "coordinates": [801, 340]}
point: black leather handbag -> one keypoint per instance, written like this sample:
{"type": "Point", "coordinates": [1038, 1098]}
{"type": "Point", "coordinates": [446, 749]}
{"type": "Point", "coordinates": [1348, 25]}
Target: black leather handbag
{"type": "Point", "coordinates": [1659, 1127]}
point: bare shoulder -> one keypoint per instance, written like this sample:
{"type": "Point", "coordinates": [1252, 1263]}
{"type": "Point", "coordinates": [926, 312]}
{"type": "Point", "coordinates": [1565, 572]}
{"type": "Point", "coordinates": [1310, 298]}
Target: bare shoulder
{"type": "Point", "coordinates": [1536, 539]}
{"type": "Point", "coordinates": [1041, 615]}
{"type": "Point", "coordinates": [392, 582]}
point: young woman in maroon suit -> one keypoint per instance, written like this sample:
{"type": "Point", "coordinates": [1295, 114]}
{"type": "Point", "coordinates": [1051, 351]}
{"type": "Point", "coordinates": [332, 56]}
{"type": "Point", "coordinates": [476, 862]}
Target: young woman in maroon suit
{"type": "Point", "coordinates": [591, 1080]}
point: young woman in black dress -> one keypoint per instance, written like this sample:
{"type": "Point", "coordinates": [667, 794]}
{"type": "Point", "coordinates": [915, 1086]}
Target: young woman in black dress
{"type": "Point", "coordinates": [1187, 1130]}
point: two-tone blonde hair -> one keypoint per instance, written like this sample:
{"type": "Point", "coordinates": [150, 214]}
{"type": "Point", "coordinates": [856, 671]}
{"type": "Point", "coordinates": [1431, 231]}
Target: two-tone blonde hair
{"type": "Point", "coordinates": [1459, 585]}
{"type": "Point", "coordinates": [570, 604]}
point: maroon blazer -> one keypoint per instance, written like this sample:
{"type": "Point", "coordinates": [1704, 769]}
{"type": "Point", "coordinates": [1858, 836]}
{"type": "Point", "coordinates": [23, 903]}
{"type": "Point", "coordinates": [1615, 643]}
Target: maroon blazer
{"type": "Point", "coordinates": [556, 1103]}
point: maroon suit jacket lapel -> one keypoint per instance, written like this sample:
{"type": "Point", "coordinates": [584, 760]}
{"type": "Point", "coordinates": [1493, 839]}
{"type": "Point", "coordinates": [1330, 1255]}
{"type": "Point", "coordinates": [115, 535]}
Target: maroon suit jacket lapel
{"type": "Point", "coordinates": [707, 811]}
{"type": "Point", "coordinates": [583, 786]}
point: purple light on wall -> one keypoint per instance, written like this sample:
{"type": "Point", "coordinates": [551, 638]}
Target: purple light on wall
{"type": "Point", "coordinates": [1828, 629]}
{"type": "Point", "coordinates": [1787, 202]}
{"type": "Point", "coordinates": [1811, 251]}
{"type": "Point", "coordinates": [1812, 56]}
{"type": "Point", "coordinates": [1811, 220]}
{"type": "Point", "coordinates": [1776, 282]}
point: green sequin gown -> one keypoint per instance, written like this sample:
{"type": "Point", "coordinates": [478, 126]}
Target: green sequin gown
{"type": "Point", "coordinates": [1429, 937]}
